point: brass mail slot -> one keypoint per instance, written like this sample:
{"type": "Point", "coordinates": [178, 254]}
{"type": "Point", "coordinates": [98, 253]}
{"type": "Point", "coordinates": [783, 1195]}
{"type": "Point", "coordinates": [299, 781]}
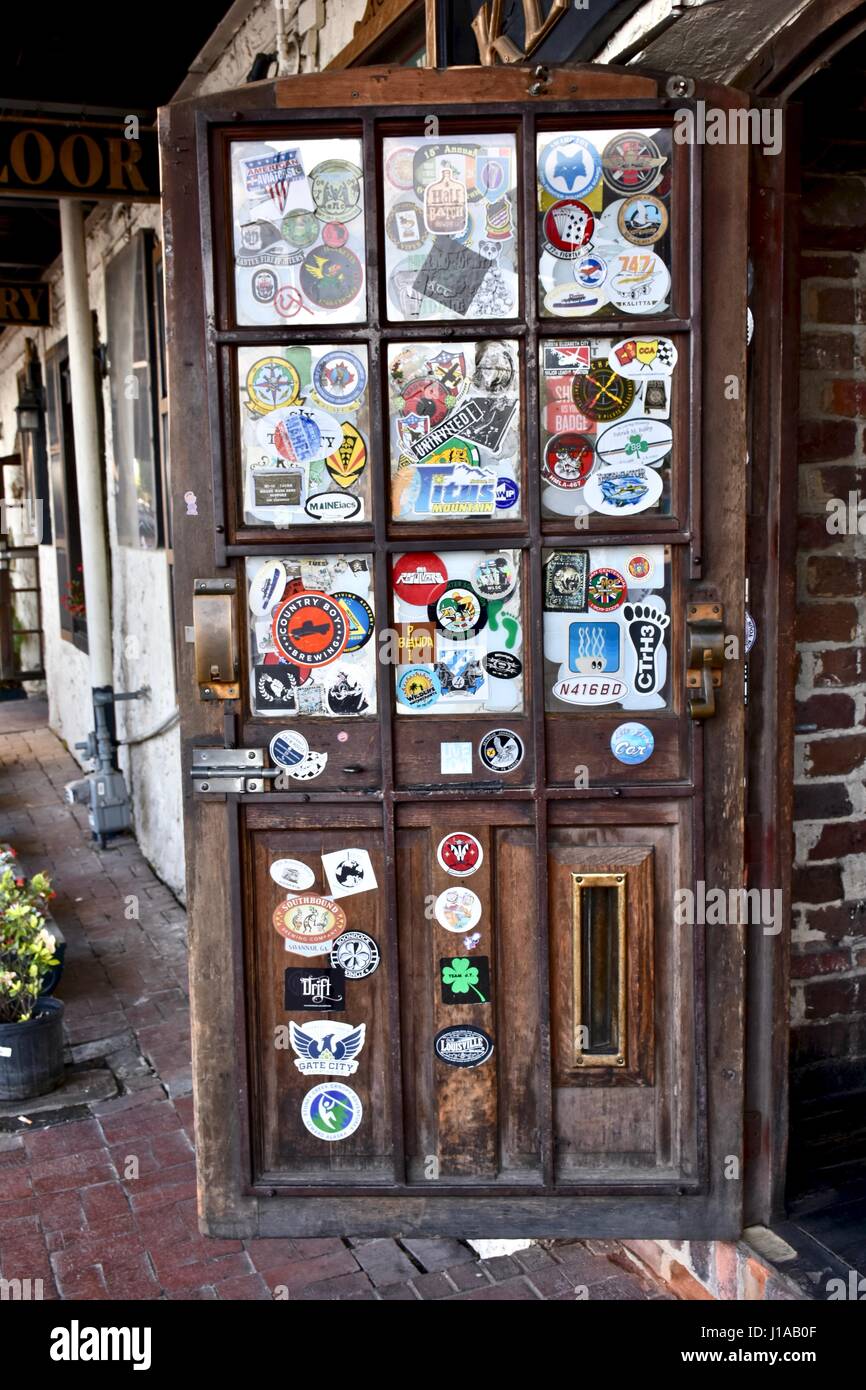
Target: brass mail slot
{"type": "Point", "coordinates": [216, 646]}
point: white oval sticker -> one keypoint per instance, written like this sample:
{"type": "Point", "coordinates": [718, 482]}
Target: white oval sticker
{"type": "Point", "coordinates": [266, 588]}
{"type": "Point", "coordinates": [292, 874]}
{"type": "Point", "coordinates": [333, 506]}
{"type": "Point", "coordinates": [623, 491]}
{"type": "Point", "coordinates": [643, 441]}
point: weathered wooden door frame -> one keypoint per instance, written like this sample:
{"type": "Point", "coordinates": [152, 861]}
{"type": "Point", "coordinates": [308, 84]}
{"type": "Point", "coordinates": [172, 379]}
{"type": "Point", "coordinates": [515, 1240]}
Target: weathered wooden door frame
{"type": "Point", "coordinates": [227, 1204]}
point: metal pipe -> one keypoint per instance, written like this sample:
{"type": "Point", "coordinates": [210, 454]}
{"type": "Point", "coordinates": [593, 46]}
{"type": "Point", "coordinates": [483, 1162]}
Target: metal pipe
{"type": "Point", "coordinates": [88, 459]}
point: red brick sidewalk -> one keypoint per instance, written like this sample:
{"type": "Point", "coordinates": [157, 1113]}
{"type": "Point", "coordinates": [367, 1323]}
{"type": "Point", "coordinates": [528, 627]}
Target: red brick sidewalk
{"type": "Point", "coordinates": [97, 1196]}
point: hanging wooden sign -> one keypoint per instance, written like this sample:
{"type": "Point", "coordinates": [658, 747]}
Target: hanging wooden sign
{"type": "Point", "coordinates": [79, 158]}
{"type": "Point", "coordinates": [25, 304]}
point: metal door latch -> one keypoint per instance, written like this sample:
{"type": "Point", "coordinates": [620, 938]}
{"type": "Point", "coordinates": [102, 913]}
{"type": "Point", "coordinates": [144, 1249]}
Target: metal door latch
{"type": "Point", "coordinates": [230, 770]}
{"type": "Point", "coordinates": [216, 647]}
{"type": "Point", "coordinates": [706, 653]}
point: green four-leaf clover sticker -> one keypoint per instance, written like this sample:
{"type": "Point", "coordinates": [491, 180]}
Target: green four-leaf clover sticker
{"type": "Point", "coordinates": [462, 976]}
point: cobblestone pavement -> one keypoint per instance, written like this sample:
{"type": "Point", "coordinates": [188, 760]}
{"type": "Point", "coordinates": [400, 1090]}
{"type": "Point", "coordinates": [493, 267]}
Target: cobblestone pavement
{"type": "Point", "coordinates": [72, 1213]}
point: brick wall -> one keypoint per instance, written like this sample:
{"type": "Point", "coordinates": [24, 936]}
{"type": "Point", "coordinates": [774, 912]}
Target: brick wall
{"type": "Point", "coordinates": [828, 964]}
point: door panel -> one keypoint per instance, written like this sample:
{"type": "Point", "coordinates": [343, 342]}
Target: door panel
{"type": "Point", "coordinates": [460, 503]}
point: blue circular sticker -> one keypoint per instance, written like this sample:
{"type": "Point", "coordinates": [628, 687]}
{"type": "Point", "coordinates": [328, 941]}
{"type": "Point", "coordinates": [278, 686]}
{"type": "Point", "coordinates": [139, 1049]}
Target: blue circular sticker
{"type": "Point", "coordinates": [507, 493]}
{"type": "Point", "coordinates": [632, 743]}
{"type": "Point", "coordinates": [361, 620]}
{"type": "Point", "coordinates": [569, 167]}
{"type": "Point", "coordinates": [339, 378]}
{"type": "Point", "coordinates": [418, 687]}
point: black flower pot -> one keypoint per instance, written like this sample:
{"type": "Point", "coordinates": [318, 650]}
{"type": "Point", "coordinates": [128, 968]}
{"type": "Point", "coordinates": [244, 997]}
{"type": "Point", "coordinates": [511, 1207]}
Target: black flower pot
{"type": "Point", "coordinates": [31, 1053]}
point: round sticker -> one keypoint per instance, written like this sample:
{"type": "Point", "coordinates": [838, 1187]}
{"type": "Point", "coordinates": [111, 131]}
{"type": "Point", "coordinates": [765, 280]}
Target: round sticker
{"type": "Point", "coordinates": [568, 460]}
{"type": "Point", "coordinates": [419, 578]}
{"type": "Point", "coordinates": [567, 227]}
{"type": "Point", "coordinates": [639, 283]}
{"type": "Point", "coordinates": [494, 577]}
{"type": "Point", "coordinates": [292, 874]}
{"type": "Point", "coordinates": [310, 629]}
{"type": "Point", "coordinates": [621, 491]}
{"type": "Point", "coordinates": [591, 272]}
{"type": "Point", "coordinates": [507, 493]}
{"type": "Point", "coordinates": [642, 357]}
{"type": "Point", "coordinates": [356, 954]}
{"type": "Point", "coordinates": [502, 666]}
{"type": "Point", "coordinates": [300, 227]}
{"type": "Point", "coordinates": [427, 399]}
{"type": "Point", "coordinates": [361, 620]}
{"type": "Point", "coordinates": [339, 378]}
{"type": "Point", "coordinates": [299, 435]}
{"type": "Point", "coordinates": [310, 920]}
{"type": "Point", "coordinates": [288, 748]}
{"type": "Point", "coordinates": [272, 382]}
{"type": "Point", "coordinates": [335, 185]}
{"type": "Point", "coordinates": [398, 167]}
{"type": "Point", "coordinates": [751, 632]}
{"type": "Point", "coordinates": [638, 567]}
{"type": "Point", "coordinates": [331, 1111]}
{"type": "Point", "coordinates": [569, 167]}
{"type": "Point", "coordinates": [331, 276]}
{"type": "Point", "coordinates": [459, 611]}
{"type": "Point", "coordinates": [266, 588]}
{"type": "Point", "coordinates": [460, 854]}
{"type": "Point", "coordinates": [601, 394]}
{"type": "Point", "coordinates": [605, 590]}
{"type": "Point", "coordinates": [418, 687]}
{"type": "Point", "coordinates": [641, 440]}
{"type": "Point", "coordinates": [335, 234]}
{"type": "Point", "coordinates": [501, 750]}
{"type": "Point", "coordinates": [631, 163]}
{"type": "Point", "coordinates": [642, 220]}
{"type": "Point", "coordinates": [457, 909]}
{"type": "Point", "coordinates": [632, 743]}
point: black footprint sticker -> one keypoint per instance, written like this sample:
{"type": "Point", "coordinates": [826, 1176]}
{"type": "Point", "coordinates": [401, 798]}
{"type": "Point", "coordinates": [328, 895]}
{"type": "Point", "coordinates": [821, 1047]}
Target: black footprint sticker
{"type": "Point", "coordinates": [646, 628]}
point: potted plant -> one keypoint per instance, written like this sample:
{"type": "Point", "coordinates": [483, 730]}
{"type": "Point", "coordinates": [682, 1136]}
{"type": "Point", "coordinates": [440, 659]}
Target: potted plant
{"type": "Point", "coordinates": [31, 1026]}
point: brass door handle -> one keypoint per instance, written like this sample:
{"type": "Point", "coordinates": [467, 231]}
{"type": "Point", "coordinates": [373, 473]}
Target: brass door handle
{"type": "Point", "coordinates": [706, 653]}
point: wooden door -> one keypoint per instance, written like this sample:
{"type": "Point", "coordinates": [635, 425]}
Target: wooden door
{"type": "Point", "coordinates": [457, 380]}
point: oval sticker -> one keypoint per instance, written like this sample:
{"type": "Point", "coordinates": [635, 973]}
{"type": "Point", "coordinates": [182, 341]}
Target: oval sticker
{"type": "Point", "coordinates": [266, 588]}
{"type": "Point", "coordinates": [590, 691]}
{"type": "Point", "coordinates": [310, 921]}
{"type": "Point", "coordinates": [640, 357]}
{"type": "Point", "coordinates": [644, 441]}
{"type": "Point", "coordinates": [623, 491]}
{"type": "Point", "coordinates": [292, 874]}
{"type": "Point", "coordinates": [463, 1047]}
{"type": "Point", "coordinates": [332, 506]}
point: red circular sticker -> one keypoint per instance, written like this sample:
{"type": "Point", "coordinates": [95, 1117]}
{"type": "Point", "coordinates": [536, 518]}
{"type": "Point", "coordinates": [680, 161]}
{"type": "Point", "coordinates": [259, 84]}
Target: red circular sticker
{"type": "Point", "coordinates": [568, 460]}
{"type": "Point", "coordinates": [310, 629]}
{"type": "Point", "coordinates": [335, 234]}
{"type": "Point", "coordinates": [419, 578]}
{"type": "Point", "coordinates": [639, 567]}
{"type": "Point", "coordinates": [426, 397]}
{"type": "Point", "coordinates": [460, 854]}
{"type": "Point", "coordinates": [568, 226]}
